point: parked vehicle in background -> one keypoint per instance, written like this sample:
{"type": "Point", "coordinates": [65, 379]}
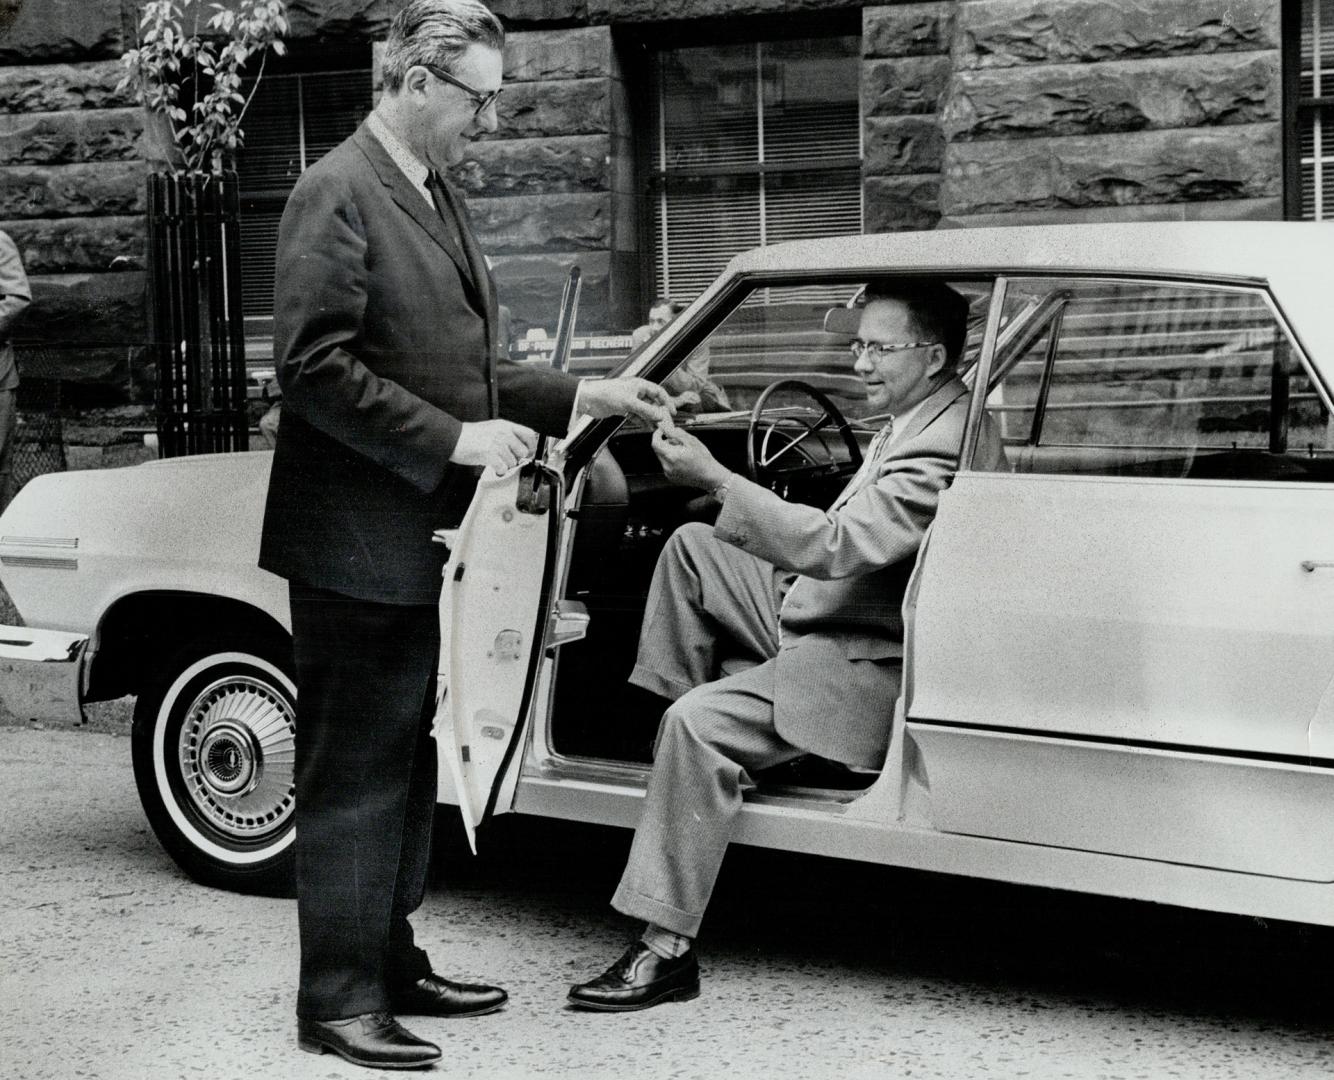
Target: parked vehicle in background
{"type": "Point", "coordinates": [1119, 674]}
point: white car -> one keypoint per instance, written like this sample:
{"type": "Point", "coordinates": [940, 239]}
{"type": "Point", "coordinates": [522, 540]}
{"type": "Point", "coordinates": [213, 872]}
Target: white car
{"type": "Point", "coordinates": [1119, 672]}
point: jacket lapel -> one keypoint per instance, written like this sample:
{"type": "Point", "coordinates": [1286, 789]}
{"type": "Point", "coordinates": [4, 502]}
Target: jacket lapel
{"type": "Point", "coordinates": [408, 198]}
{"type": "Point", "coordinates": [939, 400]}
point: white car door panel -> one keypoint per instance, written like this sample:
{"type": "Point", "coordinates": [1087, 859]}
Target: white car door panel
{"type": "Point", "coordinates": [1131, 636]}
{"type": "Point", "coordinates": [493, 625]}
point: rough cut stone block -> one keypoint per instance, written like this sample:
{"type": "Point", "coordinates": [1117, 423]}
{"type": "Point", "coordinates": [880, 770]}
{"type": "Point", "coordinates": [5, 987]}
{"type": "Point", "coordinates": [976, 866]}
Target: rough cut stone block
{"type": "Point", "coordinates": [534, 223]}
{"type": "Point", "coordinates": [105, 374]}
{"type": "Point", "coordinates": [1002, 33]}
{"type": "Point", "coordinates": [573, 107]}
{"type": "Point", "coordinates": [62, 87]}
{"type": "Point", "coordinates": [536, 166]}
{"type": "Point", "coordinates": [902, 144]}
{"type": "Point", "coordinates": [531, 285]}
{"type": "Point", "coordinates": [907, 30]}
{"type": "Point", "coordinates": [58, 138]}
{"type": "Point", "coordinates": [1236, 162]}
{"type": "Point", "coordinates": [900, 203]}
{"type": "Point", "coordinates": [909, 84]}
{"type": "Point", "coordinates": [106, 309]}
{"type": "Point", "coordinates": [558, 54]}
{"type": "Point", "coordinates": [523, 12]}
{"type": "Point", "coordinates": [666, 10]}
{"type": "Point", "coordinates": [51, 30]}
{"type": "Point", "coordinates": [64, 245]}
{"type": "Point", "coordinates": [1071, 99]}
{"type": "Point", "coordinates": [113, 187]}
{"type": "Point", "coordinates": [356, 19]}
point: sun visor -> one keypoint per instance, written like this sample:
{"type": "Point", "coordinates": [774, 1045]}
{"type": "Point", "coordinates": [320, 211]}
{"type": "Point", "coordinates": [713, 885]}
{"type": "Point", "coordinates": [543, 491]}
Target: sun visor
{"type": "Point", "coordinates": [843, 321]}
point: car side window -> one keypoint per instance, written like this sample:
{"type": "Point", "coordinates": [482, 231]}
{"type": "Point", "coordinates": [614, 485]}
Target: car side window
{"type": "Point", "coordinates": [1117, 378]}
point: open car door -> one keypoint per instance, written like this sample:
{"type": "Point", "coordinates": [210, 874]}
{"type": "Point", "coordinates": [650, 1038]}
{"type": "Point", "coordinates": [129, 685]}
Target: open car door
{"type": "Point", "coordinates": [495, 620]}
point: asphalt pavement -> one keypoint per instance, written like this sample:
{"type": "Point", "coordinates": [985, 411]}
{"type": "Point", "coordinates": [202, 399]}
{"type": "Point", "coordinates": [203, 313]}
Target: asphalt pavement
{"type": "Point", "coordinates": [113, 965]}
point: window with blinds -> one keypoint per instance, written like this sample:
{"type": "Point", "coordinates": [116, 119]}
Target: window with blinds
{"type": "Point", "coordinates": [752, 144]}
{"type": "Point", "coordinates": [293, 120]}
{"type": "Point", "coordinates": [1315, 110]}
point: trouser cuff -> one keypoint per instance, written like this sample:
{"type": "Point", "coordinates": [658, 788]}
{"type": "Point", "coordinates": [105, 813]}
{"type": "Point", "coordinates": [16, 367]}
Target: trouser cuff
{"type": "Point", "coordinates": [638, 906]}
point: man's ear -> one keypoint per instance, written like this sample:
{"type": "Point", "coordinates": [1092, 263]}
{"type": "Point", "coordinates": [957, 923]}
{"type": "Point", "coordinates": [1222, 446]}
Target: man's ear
{"type": "Point", "coordinates": [414, 82]}
{"type": "Point", "coordinates": [939, 360]}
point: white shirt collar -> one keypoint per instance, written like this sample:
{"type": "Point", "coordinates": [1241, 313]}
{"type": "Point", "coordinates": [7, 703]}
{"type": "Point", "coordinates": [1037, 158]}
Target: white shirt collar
{"type": "Point", "coordinates": [902, 420]}
{"type": "Point", "coordinates": [409, 164]}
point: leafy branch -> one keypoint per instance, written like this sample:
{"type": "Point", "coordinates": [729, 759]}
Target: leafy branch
{"type": "Point", "coordinates": [193, 79]}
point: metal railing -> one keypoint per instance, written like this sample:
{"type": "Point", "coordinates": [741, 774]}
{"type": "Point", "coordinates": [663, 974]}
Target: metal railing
{"type": "Point", "coordinates": [197, 333]}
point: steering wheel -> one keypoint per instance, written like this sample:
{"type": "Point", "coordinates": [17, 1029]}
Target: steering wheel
{"type": "Point", "coordinates": [780, 448]}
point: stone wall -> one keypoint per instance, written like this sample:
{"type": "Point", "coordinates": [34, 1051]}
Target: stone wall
{"type": "Point", "coordinates": [1142, 110]}
{"type": "Point", "coordinates": [72, 197]}
{"type": "Point", "coordinates": [905, 72]}
{"type": "Point", "coordinates": [551, 189]}
{"type": "Point", "coordinates": [974, 111]}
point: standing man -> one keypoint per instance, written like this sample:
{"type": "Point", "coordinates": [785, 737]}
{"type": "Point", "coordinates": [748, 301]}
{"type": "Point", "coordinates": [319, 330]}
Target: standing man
{"type": "Point", "coordinates": [812, 599]}
{"type": "Point", "coordinates": [15, 296]}
{"type": "Point", "coordinates": [385, 334]}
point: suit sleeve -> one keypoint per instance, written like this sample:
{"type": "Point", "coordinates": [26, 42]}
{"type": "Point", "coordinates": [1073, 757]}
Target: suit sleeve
{"type": "Point", "coordinates": [320, 305]}
{"type": "Point", "coordinates": [15, 294]}
{"type": "Point", "coordinates": [536, 396]}
{"type": "Point", "coordinates": [880, 525]}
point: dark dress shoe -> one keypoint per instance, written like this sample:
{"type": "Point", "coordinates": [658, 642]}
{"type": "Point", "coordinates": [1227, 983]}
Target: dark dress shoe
{"type": "Point", "coordinates": [436, 996]}
{"type": "Point", "coordinates": [639, 979]}
{"type": "Point", "coordinates": [373, 1039]}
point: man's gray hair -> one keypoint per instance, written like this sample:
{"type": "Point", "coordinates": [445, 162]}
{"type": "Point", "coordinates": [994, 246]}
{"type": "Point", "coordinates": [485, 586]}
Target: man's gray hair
{"type": "Point", "coordinates": [436, 32]}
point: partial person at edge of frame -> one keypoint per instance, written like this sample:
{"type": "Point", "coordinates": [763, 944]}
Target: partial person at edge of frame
{"type": "Point", "coordinates": [691, 386]}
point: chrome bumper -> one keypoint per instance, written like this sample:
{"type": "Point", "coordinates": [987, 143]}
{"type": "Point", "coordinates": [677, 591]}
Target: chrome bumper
{"type": "Point", "coordinates": [41, 674]}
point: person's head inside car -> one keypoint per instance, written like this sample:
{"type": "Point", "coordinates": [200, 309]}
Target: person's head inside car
{"type": "Point", "coordinates": [660, 313]}
{"type": "Point", "coordinates": [909, 338]}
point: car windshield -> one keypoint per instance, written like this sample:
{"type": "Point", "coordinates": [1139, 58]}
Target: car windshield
{"type": "Point", "coordinates": [787, 331]}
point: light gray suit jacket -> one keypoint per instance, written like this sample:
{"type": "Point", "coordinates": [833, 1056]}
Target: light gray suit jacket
{"type": "Point", "coordinates": [839, 665]}
{"type": "Point", "coordinates": [15, 296]}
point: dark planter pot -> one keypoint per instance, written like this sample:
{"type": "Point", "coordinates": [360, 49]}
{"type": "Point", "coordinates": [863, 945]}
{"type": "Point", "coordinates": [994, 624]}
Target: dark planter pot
{"type": "Point", "coordinates": [197, 334]}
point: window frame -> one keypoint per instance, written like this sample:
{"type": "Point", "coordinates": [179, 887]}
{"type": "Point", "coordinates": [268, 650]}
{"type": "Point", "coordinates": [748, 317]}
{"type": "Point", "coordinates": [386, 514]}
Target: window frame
{"type": "Point", "coordinates": [1296, 108]}
{"type": "Point", "coordinates": [652, 183]}
{"type": "Point", "coordinates": [301, 65]}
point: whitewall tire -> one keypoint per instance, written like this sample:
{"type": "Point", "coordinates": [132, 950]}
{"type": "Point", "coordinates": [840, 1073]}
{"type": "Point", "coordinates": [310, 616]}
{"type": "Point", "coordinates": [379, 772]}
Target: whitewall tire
{"type": "Point", "coordinates": [214, 752]}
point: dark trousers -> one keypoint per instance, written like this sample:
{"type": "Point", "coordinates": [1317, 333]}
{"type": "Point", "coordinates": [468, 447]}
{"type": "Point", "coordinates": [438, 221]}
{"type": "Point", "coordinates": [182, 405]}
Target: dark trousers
{"type": "Point", "coordinates": [365, 795]}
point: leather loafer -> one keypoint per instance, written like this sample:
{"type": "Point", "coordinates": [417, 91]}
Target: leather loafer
{"type": "Point", "coordinates": [437, 996]}
{"type": "Point", "coordinates": [373, 1039]}
{"type": "Point", "coordinates": [639, 979]}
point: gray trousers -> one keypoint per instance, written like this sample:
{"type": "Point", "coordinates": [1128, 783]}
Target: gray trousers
{"type": "Point", "coordinates": [708, 602]}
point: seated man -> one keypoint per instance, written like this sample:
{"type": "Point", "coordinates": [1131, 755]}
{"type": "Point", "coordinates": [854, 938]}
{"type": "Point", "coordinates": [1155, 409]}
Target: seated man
{"type": "Point", "coordinates": [814, 597]}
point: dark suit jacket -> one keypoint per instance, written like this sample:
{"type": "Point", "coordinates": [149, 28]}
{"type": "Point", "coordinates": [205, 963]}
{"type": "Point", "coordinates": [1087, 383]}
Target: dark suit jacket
{"type": "Point", "coordinates": [382, 341]}
{"type": "Point", "coordinates": [842, 624]}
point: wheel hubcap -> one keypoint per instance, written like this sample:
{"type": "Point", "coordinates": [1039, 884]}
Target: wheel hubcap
{"type": "Point", "coordinates": [236, 752]}
{"type": "Point", "coordinates": [230, 759]}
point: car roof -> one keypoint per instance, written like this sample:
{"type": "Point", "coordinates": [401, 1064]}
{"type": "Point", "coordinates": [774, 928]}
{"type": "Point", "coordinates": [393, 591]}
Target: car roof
{"type": "Point", "coordinates": [1242, 249]}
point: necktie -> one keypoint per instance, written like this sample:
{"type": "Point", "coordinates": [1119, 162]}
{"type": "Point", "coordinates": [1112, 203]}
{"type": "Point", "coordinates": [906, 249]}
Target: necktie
{"type": "Point", "coordinates": [874, 453]}
{"type": "Point", "coordinates": [455, 219]}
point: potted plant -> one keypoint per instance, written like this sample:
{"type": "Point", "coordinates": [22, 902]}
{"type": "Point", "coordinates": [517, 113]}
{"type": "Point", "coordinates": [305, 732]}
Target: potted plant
{"type": "Point", "coordinates": [186, 69]}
